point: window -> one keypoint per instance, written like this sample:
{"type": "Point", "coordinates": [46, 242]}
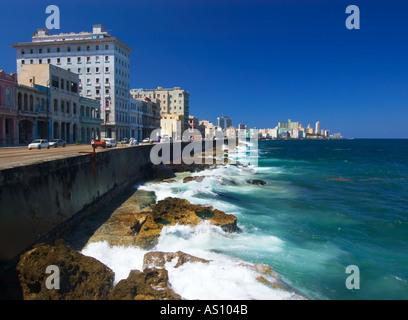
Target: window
{"type": "Point", "coordinates": [79, 59]}
{"type": "Point", "coordinates": [48, 61]}
{"type": "Point", "coordinates": [88, 92]}
{"type": "Point", "coordinates": [106, 58]}
{"type": "Point", "coordinates": [69, 49]}
{"type": "Point", "coordinates": [31, 51]}
{"type": "Point", "coordinates": [74, 108]}
{"type": "Point", "coordinates": [58, 49]}
{"type": "Point", "coordinates": [97, 80]}
{"type": "Point", "coordinates": [58, 60]}
{"type": "Point", "coordinates": [79, 70]}
{"type": "Point", "coordinates": [40, 50]}
{"type": "Point", "coordinates": [88, 81]}
{"type": "Point", "coordinates": [62, 84]}
{"type": "Point", "coordinates": [22, 61]}
{"type": "Point", "coordinates": [39, 61]}
{"type": "Point", "coordinates": [97, 70]}
{"type": "Point", "coordinates": [22, 51]}
{"type": "Point", "coordinates": [88, 48]}
{"type": "Point", "coordinates": [62, 106]}
{"type": "Point", "coordinates": [74, 87]}
{"type": "Point", "coordinates": [107, 91]}
{"type": "Point", "coordinates": [31, 61]}
{"type": "Point", "coordinates": [55, 82]}
{"type": "Point", "coordinates": [106, 69]}
{"type": "Point", "coordinates": [78, 48]}
{"type": "Point", "coordinates": [88, 70]}
{"type": "Point", "coordinates": [48, 50]}
{"type": "Point", "coordinates": [107, 80]}
{"type": "Point", "coordinates": [55, 105]}
{"type": "Point", "coordinates": [97, 59]}
{"type": "Point", "coordinates": [88, 59]}
{"type": "Point", "coordinates": [68, 60]}
{"type": "Point", "coordinates": [106, 47]}
{"type": "Point", "coordinates": [96, 47]}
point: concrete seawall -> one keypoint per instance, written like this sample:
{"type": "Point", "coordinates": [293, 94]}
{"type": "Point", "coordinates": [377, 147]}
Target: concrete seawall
{"type": "Point", "coordinates": [39, 198]}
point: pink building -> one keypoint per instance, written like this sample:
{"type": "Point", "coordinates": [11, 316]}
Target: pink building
{"type": "Point", "coordinates": [8, 112]}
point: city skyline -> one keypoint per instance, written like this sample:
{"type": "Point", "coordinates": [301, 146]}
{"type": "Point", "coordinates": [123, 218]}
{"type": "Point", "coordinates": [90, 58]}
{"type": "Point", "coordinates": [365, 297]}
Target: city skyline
{"type": "Point", "coordinates": [259, 62]}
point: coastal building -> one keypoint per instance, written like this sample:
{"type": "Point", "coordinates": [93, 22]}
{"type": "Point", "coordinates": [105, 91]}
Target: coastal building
{"type": "Point", "coordinates": [318, 129]}
{"type": "Point", "coordinates": [136, 119]}
{"type": "Point", "coordinates": [101, 62]}
{"type": "Point", "coordinates": [172, 100]}
{"type": "Point", "coordinates": [207, 129]}
{"type": "Point", "coordinates": [192, 122]}
{"type": "Point", "coordinates": [8, 112]}
{"type": "Point", "coordinates": [224, 122]}
{"type": "Point", "coordinates": [89, 119]}
{"type": "Point", "coordinates": [150, 117]}
{"type": "Point", "coordinates": [170, 125]}
{"type": "Point", "coordinates": [61, 114]}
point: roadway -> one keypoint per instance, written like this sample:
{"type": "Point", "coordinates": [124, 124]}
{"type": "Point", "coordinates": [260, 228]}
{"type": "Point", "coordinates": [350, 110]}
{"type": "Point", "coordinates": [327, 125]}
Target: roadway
{"type": "Point", "coordinates": [18, 156]}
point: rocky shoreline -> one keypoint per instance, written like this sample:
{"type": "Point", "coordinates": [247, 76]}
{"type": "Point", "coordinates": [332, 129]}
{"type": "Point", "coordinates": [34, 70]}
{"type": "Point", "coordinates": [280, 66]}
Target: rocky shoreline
{"type": "Point", "coordinates": [136, 222]}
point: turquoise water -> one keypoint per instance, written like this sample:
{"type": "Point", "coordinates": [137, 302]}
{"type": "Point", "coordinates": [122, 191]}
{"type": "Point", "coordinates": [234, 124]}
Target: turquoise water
{"type": "Point", "coordinates": [326, 205]}
{"type": "Point", "coordinates": [332, 203]}
{"type": "Point", "coordinates": [338, 203]}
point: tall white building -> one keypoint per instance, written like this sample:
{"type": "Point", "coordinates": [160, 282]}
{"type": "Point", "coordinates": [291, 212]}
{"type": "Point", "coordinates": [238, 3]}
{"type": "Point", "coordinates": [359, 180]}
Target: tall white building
{"type": "Point", "coordinates": [318, 129]}
{"type": "Point", "coordinates": [100, 60]}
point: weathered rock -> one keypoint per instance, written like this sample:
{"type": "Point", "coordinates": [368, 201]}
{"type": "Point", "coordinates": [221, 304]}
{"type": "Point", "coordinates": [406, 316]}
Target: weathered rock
{"type": "Point", "coordinates": [151, 284]}
{"type": "Point", "coordinates": [256, 182]}
{"type": "Point", "coordinates": [181, 211]}
{"type": "Point", "coordinates": [158, 259]}
{"type": "Point", "coordinates": [193, 178]}
{"type": "Point", "coordinates": [126, 221]}
{"type": "Point", "coordinates": [80, 277]}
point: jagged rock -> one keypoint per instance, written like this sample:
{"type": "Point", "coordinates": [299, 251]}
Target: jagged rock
{"type": "Point", "coordinates": [256, 182]}
{"type": "Point", "coordinates": [151, 284]}
{"type": "Point", "coordinates": [193, 178]}
{"type": "Point", "coordinates": [126, 221]}
{"type": "Point", "coordinates": [172, 211]}
{"type": "Point", "coordinates": [80, 277]}
{"type": "Point", "coordinates": [158, 259]}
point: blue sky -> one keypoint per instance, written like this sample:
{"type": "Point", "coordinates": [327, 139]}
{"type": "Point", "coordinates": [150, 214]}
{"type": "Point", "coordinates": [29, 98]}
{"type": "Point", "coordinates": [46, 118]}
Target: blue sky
{"type": "Point", "coordinates": [257, 61]}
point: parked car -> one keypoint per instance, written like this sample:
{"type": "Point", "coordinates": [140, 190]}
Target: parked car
{"type": "Point", "coordinates": [57, 143]}
{"type": "Point", "coordinates": [125, 141]}
{"type": "Point", "coordinates": [38, 144]}
{"type": "Point", "coordinates": [110, 142]}
{"type": "Point", "coordinates": [146, 140]}
{"type": "Point", "coordinates": [98, 143]}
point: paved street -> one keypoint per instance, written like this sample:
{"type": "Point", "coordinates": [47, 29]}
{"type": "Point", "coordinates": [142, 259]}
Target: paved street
{"type": "Point", "coordinates": [15, 156]}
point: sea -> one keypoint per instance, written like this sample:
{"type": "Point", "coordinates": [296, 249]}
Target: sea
{"type": "Point", "coordinates": [331, 218]}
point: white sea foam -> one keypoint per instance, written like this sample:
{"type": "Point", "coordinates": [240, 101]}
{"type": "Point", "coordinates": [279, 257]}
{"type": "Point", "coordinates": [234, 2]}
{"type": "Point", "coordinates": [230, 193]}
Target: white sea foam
{"type": "Point", "coordinates": [225, 277]}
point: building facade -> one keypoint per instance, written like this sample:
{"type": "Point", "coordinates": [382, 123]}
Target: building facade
{"type": "Point", "coordinates": [172, 101]}
{"type": "Point", "coordinates": [8, 112]}
{"type": "Point", "coordinates": [89, 119]}
{"type": "Point", "coordinates": [101, 62]}
{"type": "Point", "coordinates": [224, 122]}
{"type": "Point", "coordinates": [61, 113]}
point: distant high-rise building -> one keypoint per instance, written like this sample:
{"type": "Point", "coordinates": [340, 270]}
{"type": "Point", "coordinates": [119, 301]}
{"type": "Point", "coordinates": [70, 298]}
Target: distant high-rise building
{"type": "Point", "coordinates": [318, 128]}
{"type": "Point", "coordinates": [224, 122]}
{"type": "Point", "coordinates": [289, 125]}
